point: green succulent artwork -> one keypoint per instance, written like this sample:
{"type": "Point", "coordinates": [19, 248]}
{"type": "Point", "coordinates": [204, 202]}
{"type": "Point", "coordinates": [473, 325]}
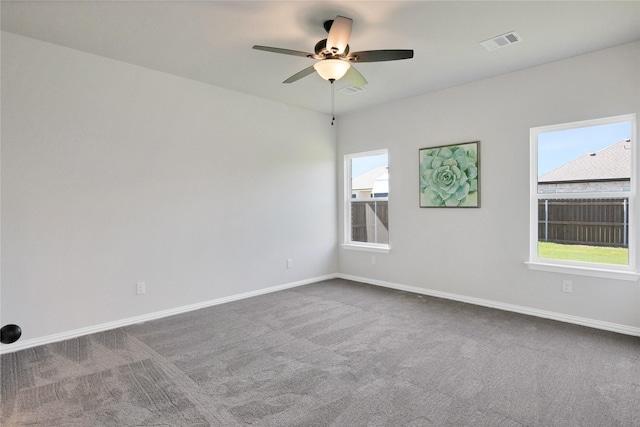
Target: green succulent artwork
{"type": "Point", "coordinates": [449, 176]}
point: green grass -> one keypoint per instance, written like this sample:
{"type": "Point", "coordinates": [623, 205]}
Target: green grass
{"type": "Point", "coordinates": [597, 254]}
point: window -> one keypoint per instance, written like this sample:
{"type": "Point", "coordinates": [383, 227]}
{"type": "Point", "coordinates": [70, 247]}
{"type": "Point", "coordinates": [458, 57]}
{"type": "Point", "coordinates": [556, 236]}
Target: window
{"type": "Point", "coordinates": [583, 195]}
{"type": "Point", "coordinates": [367, 200]}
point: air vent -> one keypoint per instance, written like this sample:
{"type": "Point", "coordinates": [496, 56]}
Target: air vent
{"type": "Point", "coordinates": [350, 90]}
{"type": "Point", "coordinates": [501, 41]}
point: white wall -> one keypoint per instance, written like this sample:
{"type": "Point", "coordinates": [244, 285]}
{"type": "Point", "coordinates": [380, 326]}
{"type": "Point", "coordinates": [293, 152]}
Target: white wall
{"type": "Point", "coordinates": [114, 174]}
{"type": "Point", "coordinates": [480, 253]}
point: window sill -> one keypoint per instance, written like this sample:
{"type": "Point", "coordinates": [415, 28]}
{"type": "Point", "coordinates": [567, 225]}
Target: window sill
{"type": "Point", "coordinates": [368, 248]}
{"type": "Point", "coordinates": [584, 271]}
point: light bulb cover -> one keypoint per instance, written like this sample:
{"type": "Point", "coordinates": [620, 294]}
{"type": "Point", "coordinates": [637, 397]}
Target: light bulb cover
{"type": "Point", "coordinates": [332, 69]}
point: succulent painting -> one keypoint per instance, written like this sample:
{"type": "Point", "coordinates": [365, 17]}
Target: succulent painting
{"type": "Point", "coordinates": [449, 176]}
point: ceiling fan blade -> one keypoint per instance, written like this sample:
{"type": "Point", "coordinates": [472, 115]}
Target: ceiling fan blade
{"type": "Point", "coordinates": [354, 77]}
{"type": "Point", "coordinates": [297, 76]}
{"type": "Point", "coordinates": [380, 55]}
{"type": "Point", "coordinates": [284, 51]}
{"type": "Point", "coordinates": [339, 34]}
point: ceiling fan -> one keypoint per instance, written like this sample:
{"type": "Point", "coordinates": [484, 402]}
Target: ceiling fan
{"type": "Point", "coordinates": [334, 56]}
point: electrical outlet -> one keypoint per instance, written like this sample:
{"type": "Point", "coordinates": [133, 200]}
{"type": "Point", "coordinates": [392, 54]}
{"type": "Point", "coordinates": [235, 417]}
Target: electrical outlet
{"type": "Point", "coordinates": [373, 259]}
{"type": "Point", "coordinates": [289, 263]}
{"type": "Point", "coordinates": [140, 288]}
{"type": "Point", "coordinates": [567, 286]}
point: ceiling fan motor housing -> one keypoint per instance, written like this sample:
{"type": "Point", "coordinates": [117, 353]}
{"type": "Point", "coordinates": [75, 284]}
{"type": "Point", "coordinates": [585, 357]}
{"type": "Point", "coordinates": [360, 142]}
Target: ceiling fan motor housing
{"type": "Point", "coordinates": [322, 51]}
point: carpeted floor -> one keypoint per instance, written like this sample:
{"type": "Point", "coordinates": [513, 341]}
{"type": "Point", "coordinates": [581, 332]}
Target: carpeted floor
{"type": "Point", "coordinates": [335, 353]}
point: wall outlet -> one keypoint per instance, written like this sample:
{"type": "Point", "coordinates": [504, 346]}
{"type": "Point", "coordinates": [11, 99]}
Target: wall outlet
{"type": "Point", "coordinates": [567, 286]}
{"type": "Point", "coordinates": [373, 259]}
{"type": "Point", "coordinates": [140, 288]}
{"type": "Point", "coordinates": [289, 263]}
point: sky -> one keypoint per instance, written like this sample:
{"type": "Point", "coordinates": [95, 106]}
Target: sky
{"type": "Point", "coordinates": [554, 148]}
{"type": "Point", "coordinates": [360, 165]}
{"type": "Point", "coordinates": [559, 147]}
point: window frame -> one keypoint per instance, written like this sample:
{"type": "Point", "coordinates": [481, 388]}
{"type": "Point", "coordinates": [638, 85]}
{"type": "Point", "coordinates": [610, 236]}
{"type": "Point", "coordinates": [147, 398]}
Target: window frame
{"type": "Point", "coordinates": [622, 272]}
{"type": "Point", "coordinates": [348, 243]}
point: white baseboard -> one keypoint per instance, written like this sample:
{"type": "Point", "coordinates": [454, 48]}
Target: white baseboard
{"type": "Point", "coordinates": [583, 321]}
{"type": "Point", "coordinates": [597, 324]}
{"type": "Point", "coordinates": [10, 348]}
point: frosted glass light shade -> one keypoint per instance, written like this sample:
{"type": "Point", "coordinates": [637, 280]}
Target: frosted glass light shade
{"type": "Point", "coordinates": [332, 69]}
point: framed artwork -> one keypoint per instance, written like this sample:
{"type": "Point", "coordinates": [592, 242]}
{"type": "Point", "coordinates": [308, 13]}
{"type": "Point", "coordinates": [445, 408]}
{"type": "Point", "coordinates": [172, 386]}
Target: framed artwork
{"type": "Point", "coordinates": [450, 176]}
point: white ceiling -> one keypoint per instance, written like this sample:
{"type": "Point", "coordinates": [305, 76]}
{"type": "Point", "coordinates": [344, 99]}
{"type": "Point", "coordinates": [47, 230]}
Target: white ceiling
{"type": "Point", "coordinates": [210, 41]}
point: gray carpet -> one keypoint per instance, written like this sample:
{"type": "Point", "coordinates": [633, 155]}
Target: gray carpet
{"type": "Point", "coordinates": [335, 353]}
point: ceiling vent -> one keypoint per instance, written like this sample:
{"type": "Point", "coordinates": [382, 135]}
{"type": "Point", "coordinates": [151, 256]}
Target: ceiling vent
{"type": "Point", "coordinates": [501, 41]}
{"type": "Point", "coordinates": [350, 90]}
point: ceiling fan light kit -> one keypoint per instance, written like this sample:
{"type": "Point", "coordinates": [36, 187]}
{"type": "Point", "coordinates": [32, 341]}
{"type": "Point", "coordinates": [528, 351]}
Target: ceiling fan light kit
{"type": "Point", "coordinates": [332, 69]}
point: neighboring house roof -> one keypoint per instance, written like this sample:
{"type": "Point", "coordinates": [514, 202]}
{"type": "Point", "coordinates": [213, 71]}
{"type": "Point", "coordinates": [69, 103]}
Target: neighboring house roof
{"type": "Point", "coordinates": [367, 179]}
{"type": "Point", "coordinates": [610, 163]}
{"type": "Point", "coordinates": [381, 186]}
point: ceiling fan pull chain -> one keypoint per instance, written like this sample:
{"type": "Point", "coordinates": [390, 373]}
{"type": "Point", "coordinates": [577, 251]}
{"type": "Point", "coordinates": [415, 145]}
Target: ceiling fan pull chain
{"type": "Point", "coordinates": [333, 103]}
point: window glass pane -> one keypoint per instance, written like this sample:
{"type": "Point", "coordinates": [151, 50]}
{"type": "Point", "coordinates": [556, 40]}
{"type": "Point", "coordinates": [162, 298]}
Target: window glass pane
{"type": "Point", "coordinates": [370, 221]}
{"type": "Point", "coordinates": [369, 198]}
{"type": "Point", "coordinates": [583, 192]}
{"type": "Point", "coordinates": [585, 159]}
{"type": "Point", "coordinates": [585, 230]}
{"type": "Point", "coordinates": [366, 172]}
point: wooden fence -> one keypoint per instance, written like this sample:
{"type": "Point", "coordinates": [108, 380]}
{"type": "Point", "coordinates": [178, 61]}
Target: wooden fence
{"type": "Point", "coordinates": [370, 221]}
{"type": "Point", "coordinates": [594, 222]}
